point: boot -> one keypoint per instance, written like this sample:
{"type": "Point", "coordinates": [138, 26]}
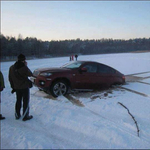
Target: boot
{"type": "Point", "coordinates": [27, 118]}
{"type": "Point", "coordinates": [1, 117]}
{"type": "Point", "coordinates": [17, 117]}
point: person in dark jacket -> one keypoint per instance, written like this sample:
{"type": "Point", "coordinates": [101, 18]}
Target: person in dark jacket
{"type": "Point", "coordinates": [2, 86]}
{"type": "Point", "coordinates": [18, 78]}
{"type": "Point", "coordinates": [76, 56]}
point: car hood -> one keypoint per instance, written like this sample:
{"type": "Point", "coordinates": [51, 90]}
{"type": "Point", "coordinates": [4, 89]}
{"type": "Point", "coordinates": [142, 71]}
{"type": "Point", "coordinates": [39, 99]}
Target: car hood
{"type": "Point", "coordinates": [52, 70]}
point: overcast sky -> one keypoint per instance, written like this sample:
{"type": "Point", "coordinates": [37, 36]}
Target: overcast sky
{"type": "Point", "coordinates": [60, 20]}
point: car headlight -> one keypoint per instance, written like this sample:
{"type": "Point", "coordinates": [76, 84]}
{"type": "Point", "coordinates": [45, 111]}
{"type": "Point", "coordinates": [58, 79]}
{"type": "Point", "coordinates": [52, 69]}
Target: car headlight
{"type": "Point", "coordinates": [45, 74]}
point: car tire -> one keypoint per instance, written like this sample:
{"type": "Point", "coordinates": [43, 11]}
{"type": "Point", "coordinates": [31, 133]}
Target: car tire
{"type": "Point", "coordinates": [59, 88]}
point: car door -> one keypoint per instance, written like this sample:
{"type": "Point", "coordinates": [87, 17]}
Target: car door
{"type": "Point", "coordinates": [87, 79]}
{"type": "Point", "coordinates": [104, 76]}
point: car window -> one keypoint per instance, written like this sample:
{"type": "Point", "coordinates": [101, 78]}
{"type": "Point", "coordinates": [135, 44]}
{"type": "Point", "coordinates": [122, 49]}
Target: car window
{"type": "Point", "coordinates": [91, 67]}
{"type": "Point", "coordinates": [72, 65]}
{"type": "Point", "coordinates": [105, 69]}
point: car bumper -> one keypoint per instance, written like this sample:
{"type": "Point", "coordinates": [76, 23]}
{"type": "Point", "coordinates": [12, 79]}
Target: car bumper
{"type": "Point", "coordinates": [41, 82]}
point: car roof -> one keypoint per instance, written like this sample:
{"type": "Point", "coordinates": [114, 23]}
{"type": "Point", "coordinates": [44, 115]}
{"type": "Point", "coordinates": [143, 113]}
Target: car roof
{"type": "Point", "coordinates": [90, 62]}
{"type": "Point", "coordinates": [95, 62]}
{"type": "Point", "coordinates": [86, 61]}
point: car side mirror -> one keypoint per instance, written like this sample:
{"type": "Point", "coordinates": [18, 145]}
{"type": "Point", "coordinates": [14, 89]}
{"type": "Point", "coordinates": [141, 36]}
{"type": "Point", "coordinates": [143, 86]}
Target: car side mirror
{"type": "Point", "coordinates": [83, 69]}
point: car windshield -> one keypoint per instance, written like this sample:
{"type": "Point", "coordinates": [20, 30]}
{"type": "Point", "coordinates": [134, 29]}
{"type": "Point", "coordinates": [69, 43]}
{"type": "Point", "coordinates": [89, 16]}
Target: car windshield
{"type": "Point", "coordinates": [72, 65]}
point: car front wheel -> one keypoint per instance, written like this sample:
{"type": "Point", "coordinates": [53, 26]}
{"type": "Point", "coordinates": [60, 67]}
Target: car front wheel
{"type": "Point", "coordinates": [59, 88]}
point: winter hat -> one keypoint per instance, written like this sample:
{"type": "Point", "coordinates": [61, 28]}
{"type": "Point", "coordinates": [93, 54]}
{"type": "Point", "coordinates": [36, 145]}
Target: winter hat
{"type": "Point", "coordinates": [21, 57]}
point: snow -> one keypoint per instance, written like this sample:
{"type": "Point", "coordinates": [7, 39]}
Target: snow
{"type": "Point", "coordinates": [84, 120]}
{"type": "Point", "coordinates": [137, 87]}
{"type": "Point", "coordinates": [147, 80]}
{"type": "Point", "coordinates": [143, 75]}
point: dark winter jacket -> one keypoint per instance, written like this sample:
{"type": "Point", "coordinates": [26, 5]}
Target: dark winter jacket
{"type": "Point", "coordinates": [2, 84]}
{"type": "Point", "coordinates": [18, 75]}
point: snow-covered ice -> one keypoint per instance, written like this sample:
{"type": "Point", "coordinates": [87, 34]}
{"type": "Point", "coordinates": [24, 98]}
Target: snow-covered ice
{"type": "Point", "coordinates": [100, 122]}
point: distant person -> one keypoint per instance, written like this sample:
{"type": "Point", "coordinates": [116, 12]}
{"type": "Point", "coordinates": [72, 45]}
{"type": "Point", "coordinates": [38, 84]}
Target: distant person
{"type": "Point", "coordinates": [2, 86]}
{"type": "Point", "coordinates": [18, 78]}
{"type": "Point", "coordinates": [72, 57]}
{"type": "Point", "coordinates": [76, 56]}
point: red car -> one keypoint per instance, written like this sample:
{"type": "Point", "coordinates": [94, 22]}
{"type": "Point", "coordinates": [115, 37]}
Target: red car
{"type": "Point", "coordinates": [77, 75]}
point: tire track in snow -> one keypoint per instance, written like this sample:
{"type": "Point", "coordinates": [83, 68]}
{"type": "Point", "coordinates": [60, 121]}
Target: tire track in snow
{"type": "Point", "coordinates": [74, 100]}
{"type": "Point", "coordinates": [133, 91]}
{"type": "Point", "coordinates": [137, 73]}
{"type": "Point", "coordinates": [132, 78]}
{"type": "Point", "coordinates": [143, 82]}
{"type": "Point", "coordinates": [117, 125]}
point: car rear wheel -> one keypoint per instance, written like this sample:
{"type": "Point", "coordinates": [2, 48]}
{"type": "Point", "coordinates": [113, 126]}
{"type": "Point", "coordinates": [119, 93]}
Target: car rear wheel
{"type": "Point", "coordinates": [59, 88]}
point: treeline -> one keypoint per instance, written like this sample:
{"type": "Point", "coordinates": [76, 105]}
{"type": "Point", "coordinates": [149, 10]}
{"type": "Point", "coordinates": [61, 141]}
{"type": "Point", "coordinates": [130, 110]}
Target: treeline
{"type": "Point", "coordinates": [32, 47]}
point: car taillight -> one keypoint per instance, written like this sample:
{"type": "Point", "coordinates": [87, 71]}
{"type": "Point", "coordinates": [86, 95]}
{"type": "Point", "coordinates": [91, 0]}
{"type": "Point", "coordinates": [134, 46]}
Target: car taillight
{"type": "Point", "coordinates": [123, 77]}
